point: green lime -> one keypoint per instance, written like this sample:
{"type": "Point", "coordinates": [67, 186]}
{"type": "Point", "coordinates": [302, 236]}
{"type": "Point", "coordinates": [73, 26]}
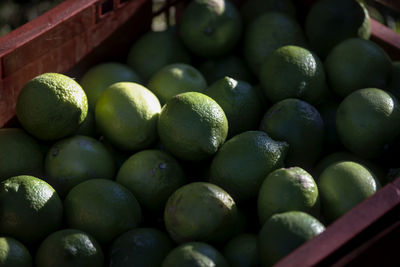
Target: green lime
{"type": "Point", "coordinates": [19, 154]}
{"type": "Point", "coordinates": [243, 162]}
{"type": "Point", "coordinates": [200, 211]}
{"type": "Point", "coordinates": [13, 253]}
{"type": "Point", "coordinates": [355, 64]}
{"type": "Point", "coordinates": [175, 79]}
{"type": "Point", "coordinates": [242, 251]}
{"type": "Point", "coordinates": [101, 76]}
{"type": "Point", "coordinates": [284, 232]}
{"type": "Point", "coordinates": [342, 186]}
{"type": "Point", "coordinates": [252, 9]}
{"type": "Point", "coordinates": [30, 209]}
{"type": "Point", "coordinates": [394, 86]}
{"type": "Point", "coordinates": [75, 159]}
{"type": "Point", "coordinates": [152, 176]}
{"type": "Point", "coordinates": [287, 189]}
{"type": "Point", "coordinates": [195, 254]}
{"type": "Point", "coordinates": [69, 248]}
{"type": "Point", "coordinates": [140, 247]}
{"type": "Point", "coordinates": [88, 126]}
{"type": "Point", "coordinates": [367, 121]}
{"type": "Point", "coordinates": [330, 22]}
{"type": "Point", "coordinates": [192, 126]}
{"type": "Point", "coordinates": [210, 28]}
{"type": "Point", "coordinates": [51, 106]}
{"type": "Point", "coordinates": [126, 114]}
{"type": "Point", "coordinates": [102, 208]}
{"type": "Point", "coordinates": [295, 121]}
{"type": "Point", "coordinates": [294, 72]}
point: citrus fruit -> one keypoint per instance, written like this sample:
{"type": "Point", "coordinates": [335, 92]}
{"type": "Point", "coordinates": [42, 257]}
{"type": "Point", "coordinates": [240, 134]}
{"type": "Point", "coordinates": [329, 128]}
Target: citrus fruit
{"type": "Point", "coordinates": [75, 159]}
{"type": "Point", "coordinates": [355, 64]}
{"type": "Point", "coordinates": [163, 48]}
{"type": "Point", "coordinates": [30, 209]}
{"type": "Point", "coordinates": [230, 65]}
{"type": "Point", "coordinates": [192, 126]}
{"type": "Point", "coordinates": [287, 189]}
{"type": "Point", "coordinates": [175, 79]}
{"type": "Point", "coordinates": [240, 103]}
{"type": "Point", "coordinates": [152, 176]}
{"type": "Point", "coordinates": [126, 114]}
{"type": "Point", "coordinates": [330, 22]}
{"type": "Point", "coordinates": [68, 248]}
{"type": "Point", "coordinates": [267, 33]}
{"type": "Point", "coordinates": [342, 185]}
{"type": "Point", "coordinates": [101, 76]}
{"type": "Point", "coordinates": [102, 208]}
{"type": "Point", "coordinates": [294, 72]}
{"type": "Point", "coordinates": [51, 106]}
{"type": "Point", "coordinates": [242, 251]}
{"type": "Point", "coordinates": [284, 232]}
{"type": "Point", "coordinates": [294, 121]}
{"type": "Point", "coordinates": [88, 126]}
{"type": "Point", "coordinates": [367, 120]}
{"type": "Point", "coordinates": [200, 211]}
{"type": "Point", "coordinates": [19, 154]}
{"type": "Point", "coordinates": [210, 28]}
{"type": "Point", "coordinates": [194, 254]}
{"type": "Point", "coordinates": [243, 162]}
{"type": "Point", "coordinates": [140, 247]}
{"type": "Point", "coordinates": [394, 86]}
{"type": "Point", "coordinates": [13, 253]}
{"type": "Point", "coordinates": [251, 9]}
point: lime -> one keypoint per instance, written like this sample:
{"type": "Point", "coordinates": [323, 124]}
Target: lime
{"type": "Point", "coordinates": [30, 209]}
{"type": "Point", "coordinates": [343, 185]}
{"type": "Point", "coordinates": [200, 211]}
{"type": "Point", "coordinates": [242, 251]}
{"type": "Point", "coordinates": [192, 126]}
{"type": "Point", "coordinates": [243, 162]}
{"type": "Point", "coordinates": [19, 154]}
{"type": "Point", "coordinates": [394, 86]}
{"type": "Point", "coordinates": [13, 253]}
{"type": "Point", "coordinates": [140, 247]}
{"type": "Point", "coordinates": [102, 208]}
{"type": "Point", "coordinates": [287, 189]}
{"type": "Point", "coordinates": [126, 114]}
{"type": "Point", "coordinates": [88, 126]}
{"type": "Point", "coordinates": [252, 9]}
{"type": "Point", "coordinates": [51, 106]}
{"type": "Point", "coordinates": [210, 28]}
{"type": "Point", "coordinates": [73, 160]}
{"type": "Point", "coordinates": [101, 76]}
{"type": "Point", "coordinates": [175, 79]}
{"type": "Point", "coordinates": [69, 248]}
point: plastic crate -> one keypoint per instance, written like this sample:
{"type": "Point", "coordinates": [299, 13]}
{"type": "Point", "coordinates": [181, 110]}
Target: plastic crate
{"type": "Point", "coordinates": [79, 33]}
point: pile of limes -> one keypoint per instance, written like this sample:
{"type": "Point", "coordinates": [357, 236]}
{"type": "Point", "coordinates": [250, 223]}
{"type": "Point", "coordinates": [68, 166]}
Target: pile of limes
{"type": "Point", "coordinates": [228, 140]}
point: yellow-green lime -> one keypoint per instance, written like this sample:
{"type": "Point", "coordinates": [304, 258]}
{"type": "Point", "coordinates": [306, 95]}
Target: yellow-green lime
{"type": "Point", "coordinates": [342, 185]}
{"type": "Point", "coordinates": [195, 254]}
{"type": "Point", "coordinates": [51, 106]}
{"type": "Point", "coordinates": [69, 248]}
{"type": "Point", "coordinates": [330, 22]}
{"type": "Point", "coordinates": [13, 253]}
{"type": "Point", "coordinates": [210, 28]}
{"type": "Point", "coordinates": [192, 126]}
{"type": "Point", "coordinates": [152, 176]}
{"type": "Point", "coordinates": [19, 154]}
{"type": "Point", "coordinates": [242, 251]}
{"type": "Point", "coordinates": [367, 121]}
{"type": "Point", "coordinates": [102, 208]}
{"type": "Point", "coordinates": [240, 103]}
{"type": "Point", "coordinates": [140, 247]}
{"type": "Point", "coordinates": [252, 9]}
{"type": "Point", "coordinates": [175, 79]}
{"type": "Point", "coordinates": [75, 159]}
{"type": "Point", "coordinates": [126, 114]}
{"type": "Point", "coordinates": [200, 211]}
{"type": "Point", "coordinates": [101, 76]}
{"type": "Point", "coordinates": [243, 162]}
{"type": "Point", "coordinates": [284, 232]}
{"type": "Point", "coordinates": [288, 189]}
{"type": "Point", "coordinates": [294, 72]}
{"type": "Point", "coordinates": [355, 64]}
{"type": "Point", "coordinates": [30, 209]}
{"type": "Point", "coordinates": [154, 50]}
